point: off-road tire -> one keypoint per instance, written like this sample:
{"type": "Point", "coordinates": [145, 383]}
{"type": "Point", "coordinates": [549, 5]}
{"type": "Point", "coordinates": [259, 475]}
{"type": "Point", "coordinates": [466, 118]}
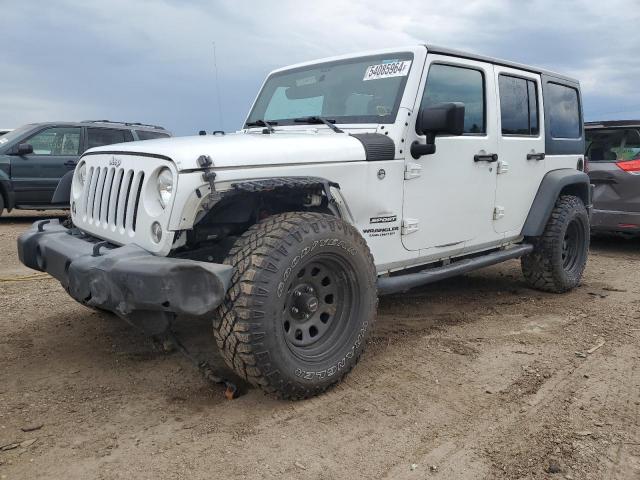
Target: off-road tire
{"type": "Point", "coordinates": [274, 263]}
{"type": "Point", "coordinates": [560, 253]}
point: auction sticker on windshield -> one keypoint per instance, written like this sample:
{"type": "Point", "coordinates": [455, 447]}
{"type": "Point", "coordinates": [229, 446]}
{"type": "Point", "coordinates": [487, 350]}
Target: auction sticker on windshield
{"type": "Point", "coordinates": [386, 70]}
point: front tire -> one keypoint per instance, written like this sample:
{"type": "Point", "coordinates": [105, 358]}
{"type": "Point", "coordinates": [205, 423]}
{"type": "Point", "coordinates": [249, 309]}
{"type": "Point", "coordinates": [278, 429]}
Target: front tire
{"type": "Point", "coordinates": [302, 301]}
{"type": "Point", "coordinates": [560, 253]}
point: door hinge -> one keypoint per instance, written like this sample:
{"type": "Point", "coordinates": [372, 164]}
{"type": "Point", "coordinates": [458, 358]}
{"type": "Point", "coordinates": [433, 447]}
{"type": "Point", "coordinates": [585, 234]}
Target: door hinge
{"type": "Point", "coordinates": [409, 225]}
{"type": "Point", "coordinates": [498, 213]}
{"type": "Point", "coordinates": [503, 167]}
{"type": "Point", "coordinates": [412, 170]}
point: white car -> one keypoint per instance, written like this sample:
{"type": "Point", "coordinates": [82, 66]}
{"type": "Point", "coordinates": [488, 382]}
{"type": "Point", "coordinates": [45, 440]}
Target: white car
{"type": "Point", "coordinates": [4, 131]}
{"type": "Point", "coordinates": [354, 176]}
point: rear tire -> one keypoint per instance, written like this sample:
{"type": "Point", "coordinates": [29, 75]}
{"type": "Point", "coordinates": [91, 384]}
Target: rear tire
{"type": "Point", "coordinates": [301, 303]}
{"type": "Point", "coordinates": [560, 253]}
{"type": "Point", "coordinates": [1, 204]}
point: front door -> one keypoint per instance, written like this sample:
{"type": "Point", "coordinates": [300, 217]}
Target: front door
{"type": "Point", "coordinates": [522, 157]}
{"type": "Point", "coordinates": [36, 176]}
{"type": "Point", "coordinates": [449, 195]}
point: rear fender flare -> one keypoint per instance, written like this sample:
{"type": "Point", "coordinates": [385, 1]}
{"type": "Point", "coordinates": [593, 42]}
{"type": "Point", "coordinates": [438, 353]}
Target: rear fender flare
{"type": "Point", "coordinates": [555, 183]}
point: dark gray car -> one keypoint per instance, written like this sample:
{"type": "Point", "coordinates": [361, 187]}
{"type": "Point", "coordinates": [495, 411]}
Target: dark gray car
{"type": "Point", "coordinates": [613, 149]}
{"type": "Point", "coordinates": [37, 160]}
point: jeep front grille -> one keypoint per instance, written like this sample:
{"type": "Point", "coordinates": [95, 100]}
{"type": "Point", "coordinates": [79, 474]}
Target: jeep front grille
{"type": "Point", "coordinates": [111, 197]}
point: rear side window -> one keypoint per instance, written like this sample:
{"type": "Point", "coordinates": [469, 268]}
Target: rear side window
{"type": "Point", "coordinates": [107, 136]}
{"type": "Point", "coordinates": [518, 106]}
{"type": "Point", "coordinates": [564, 111]}
{"type": "Point", "coordinates": [147, 135]}
{"type": "Point", "coordinates": [446, 83]}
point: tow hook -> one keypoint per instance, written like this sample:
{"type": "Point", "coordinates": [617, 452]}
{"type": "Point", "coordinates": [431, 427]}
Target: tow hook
{"type": "Point", "coordinates": [231, 390]}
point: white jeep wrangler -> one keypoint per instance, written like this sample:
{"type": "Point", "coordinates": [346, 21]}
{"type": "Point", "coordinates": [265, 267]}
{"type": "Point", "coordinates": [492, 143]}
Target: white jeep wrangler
{"type": "Point", "coordinates": [353, 177]}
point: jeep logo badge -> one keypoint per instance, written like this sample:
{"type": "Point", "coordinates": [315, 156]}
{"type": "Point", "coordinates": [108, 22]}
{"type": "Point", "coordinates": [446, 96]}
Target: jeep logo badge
{"type": "Point", "coordinates": [115, 162]}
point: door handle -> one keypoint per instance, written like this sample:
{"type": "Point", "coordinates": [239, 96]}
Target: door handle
{"type": "Point", "coordinates": [535, 156]}
{"type": "Point", "coordinates": [489, 157]}
{"type": "Point", "coordinates": [70, 163]}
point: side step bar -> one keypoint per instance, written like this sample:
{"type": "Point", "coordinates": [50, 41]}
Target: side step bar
{"type": "Point", "coordinates": [402, 283]}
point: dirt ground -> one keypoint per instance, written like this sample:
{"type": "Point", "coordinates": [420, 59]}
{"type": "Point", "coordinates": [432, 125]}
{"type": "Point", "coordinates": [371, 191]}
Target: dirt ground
{"type": "Point", "coordinates": [475, 377]}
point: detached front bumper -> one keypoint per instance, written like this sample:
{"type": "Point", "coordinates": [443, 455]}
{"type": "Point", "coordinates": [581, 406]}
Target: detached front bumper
{"type": "Point", "coordinates": [126, 280]}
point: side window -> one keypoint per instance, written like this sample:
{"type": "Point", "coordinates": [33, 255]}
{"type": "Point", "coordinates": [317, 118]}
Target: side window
{"type": "Point", "coordinates": [446, 83]}
{"type": "Point", "coordinates": [147, 135]}
{"type": "Point", "coordinates": [564, 111]}
{"type": "Point", "coordinates": [107, 136]}
{"type": "Point", "coordinates": [57, 141]}
{"type": "Point", "coordinates": [518, 106]}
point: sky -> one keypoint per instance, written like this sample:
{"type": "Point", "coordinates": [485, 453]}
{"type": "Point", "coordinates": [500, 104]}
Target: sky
{"type": "Point", "coordinates": [153, 61]}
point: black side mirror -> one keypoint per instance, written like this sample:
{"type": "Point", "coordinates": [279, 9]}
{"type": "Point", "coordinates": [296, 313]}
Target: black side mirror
{"type": "Point", "coordinates": [443, 118]}
{"type": "Point", "coordinates": [24, 149]}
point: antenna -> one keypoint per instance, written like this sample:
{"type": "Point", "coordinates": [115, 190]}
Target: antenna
{"type": "Point", "coordinates": [215, 67]}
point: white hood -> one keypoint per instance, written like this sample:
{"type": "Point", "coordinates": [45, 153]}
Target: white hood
{"type": "Point", "coordinates": [248, 149]}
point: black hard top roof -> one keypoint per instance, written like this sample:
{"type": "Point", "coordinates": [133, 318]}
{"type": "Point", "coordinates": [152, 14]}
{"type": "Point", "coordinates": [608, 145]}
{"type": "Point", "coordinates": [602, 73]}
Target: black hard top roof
{"type": "Point", "coordinates": [612, 124]}
{"type": "Point", "coordinates": [497, 61]}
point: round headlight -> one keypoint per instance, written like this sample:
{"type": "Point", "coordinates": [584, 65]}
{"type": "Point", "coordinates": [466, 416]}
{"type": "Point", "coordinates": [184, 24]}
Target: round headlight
{"type": "Point", "coordinates": [81, 174]}
{"type": "Point", "coordinates": [165, 186]}
{"type": "Point", "coordinates": [79, 181]}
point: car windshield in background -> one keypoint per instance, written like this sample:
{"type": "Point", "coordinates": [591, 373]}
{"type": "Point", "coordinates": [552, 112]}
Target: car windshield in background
{"type": "Point", "coordinates": [357, 90]}
{"type": "Point", "coordinates": [611, 145]}
{"type": "Point", "coordinates": [10, 136]}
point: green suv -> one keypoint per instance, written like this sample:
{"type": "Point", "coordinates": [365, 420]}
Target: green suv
{"type": "Point", "coordinates": [37, 160]}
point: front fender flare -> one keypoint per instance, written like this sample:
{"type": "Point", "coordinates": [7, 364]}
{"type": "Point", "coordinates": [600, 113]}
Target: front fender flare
{"type": "Point", "coordinates": [336, 202]}
{"type": "Point", "coordinates": [62, 193]}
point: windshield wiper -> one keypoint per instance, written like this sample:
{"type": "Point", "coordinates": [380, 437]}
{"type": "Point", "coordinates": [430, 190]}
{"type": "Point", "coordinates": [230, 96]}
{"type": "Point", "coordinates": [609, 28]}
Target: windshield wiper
{"type": "Point", "coordinates": [329, 122]}
{"type": "Point", "coordinates": [262, 123]}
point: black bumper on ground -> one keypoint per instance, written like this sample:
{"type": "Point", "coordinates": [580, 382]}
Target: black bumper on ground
{"type": "Point", "coordinates": [128, 281]}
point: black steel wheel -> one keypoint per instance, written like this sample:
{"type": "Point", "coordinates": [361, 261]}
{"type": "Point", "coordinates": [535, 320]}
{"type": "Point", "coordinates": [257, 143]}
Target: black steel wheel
{"type": "Point", "coordinates": [302, 302]}
{"type": "Point", "coordinates": [572, 245]}
{"type": "Point", "coordinates": [321, 297]}
{"type": "Point", "coordinates": [560, 253]}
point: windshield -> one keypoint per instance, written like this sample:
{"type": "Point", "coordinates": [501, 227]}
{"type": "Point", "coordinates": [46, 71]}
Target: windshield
{"type": "Point", "coordinates": [613, 144]}
{"type": "Point", "coordinates": [18, 132]}
{"type": "Point", "coordinates": [356, 90]}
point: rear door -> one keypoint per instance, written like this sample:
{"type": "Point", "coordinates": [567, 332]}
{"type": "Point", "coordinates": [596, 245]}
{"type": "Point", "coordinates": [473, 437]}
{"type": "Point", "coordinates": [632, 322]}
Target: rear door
{"type": "Point", "coordinates": [97, 137]}
{"type": "Point", "coordinates": [55, 152]}
{"type": "Point", "coordinates": [521, 147]}
{"type": "Point", "coordinates": [614, 168]}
